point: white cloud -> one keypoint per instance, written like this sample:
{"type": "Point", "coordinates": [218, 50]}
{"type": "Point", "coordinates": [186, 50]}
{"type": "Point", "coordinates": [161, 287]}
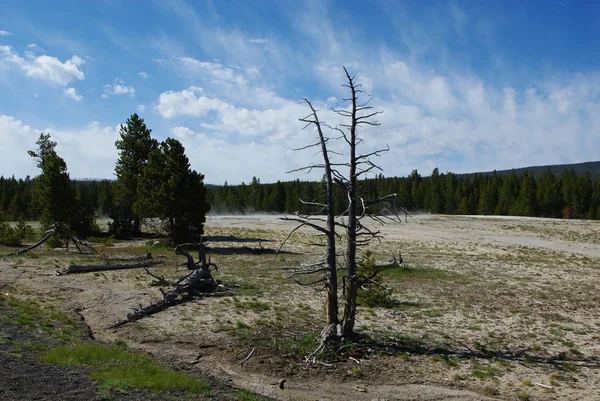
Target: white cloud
{"type": "Point", "coordinates": [90, 151]}
{"type": "Point", "coordinates": [118, 89]}
{"type": "Point", "coordinates": [173, 104]}
{"type": "Point", "coordinates": [44, 67]}
{"type": "Point", "coordinates": [143, 74]}
{"type": "Point", "coordinates": [4, 33]}
{"type": "Point", "coordinates": [457, 123]}
{"type": "Point", "coordinates": [217, 72]}
{"type": "Point", "coordinates": [70, 92]}
{"type": "Point", "coordinates": [267, 160]}
{"type": "Point", "coordinates": [223, 117]}
{"type": "Point", "coordinates": [141, 108]}
{"type": "Point", "coordinates": [462, 124]}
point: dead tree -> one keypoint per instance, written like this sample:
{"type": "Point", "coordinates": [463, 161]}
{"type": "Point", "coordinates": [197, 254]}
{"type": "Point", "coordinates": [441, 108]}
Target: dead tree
{"type": "Point", "coordinates": [350, 221]}
{"type": "Point", "coordinates": [60, 230]}
{"type": "Point", "coordinates": [357, 234]}
{"type": "Point", "coordinates": [329, 266]}
{"type": "Point", "coordinates": [199, 280]}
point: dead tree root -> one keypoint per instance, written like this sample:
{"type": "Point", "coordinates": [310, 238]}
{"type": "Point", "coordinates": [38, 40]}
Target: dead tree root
{"type": "Point", "coordinates": [199, 282]}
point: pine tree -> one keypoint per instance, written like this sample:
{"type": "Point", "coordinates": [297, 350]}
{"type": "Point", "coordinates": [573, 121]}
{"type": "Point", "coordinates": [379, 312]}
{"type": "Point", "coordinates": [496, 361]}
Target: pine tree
{"type": "Point", "coordinates": [56, 193]}
{"type": "Point", "coordinates": [134, 147]}
{"type": "Point", "coordinates": [171, 191]}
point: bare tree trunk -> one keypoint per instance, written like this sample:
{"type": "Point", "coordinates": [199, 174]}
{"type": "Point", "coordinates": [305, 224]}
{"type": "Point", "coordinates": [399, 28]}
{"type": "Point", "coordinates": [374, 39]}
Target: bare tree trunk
{"type": "Point", "coordinates": [350, 285]}
{"type": "Point", "coordinates": [136, 225]}
{"type": "Point", "coordinates": [332, 287]}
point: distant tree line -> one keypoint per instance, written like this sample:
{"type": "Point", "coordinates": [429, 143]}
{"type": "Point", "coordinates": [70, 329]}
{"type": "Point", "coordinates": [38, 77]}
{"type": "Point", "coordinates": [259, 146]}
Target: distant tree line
{"type": "Point", "coordinates": [568, 195]}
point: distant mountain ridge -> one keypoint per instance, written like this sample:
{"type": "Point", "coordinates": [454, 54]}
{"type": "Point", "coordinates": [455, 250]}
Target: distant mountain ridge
{"type": "Point", "coordinates": [580, 168]}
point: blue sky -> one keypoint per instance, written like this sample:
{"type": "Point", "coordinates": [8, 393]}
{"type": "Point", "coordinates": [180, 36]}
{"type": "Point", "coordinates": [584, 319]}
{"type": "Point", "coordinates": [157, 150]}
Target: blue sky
{"type": "Point", "coordinates": [464, 86]}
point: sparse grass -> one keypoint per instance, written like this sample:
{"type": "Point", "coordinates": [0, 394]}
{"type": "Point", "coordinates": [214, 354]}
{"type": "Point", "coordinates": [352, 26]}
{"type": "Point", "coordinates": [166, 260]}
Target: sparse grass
{"type": "Point", "coordinates": [246, 395]}
{"type": "Point", "coordinates": [432, 313]}
{"type": "Point", "coordinates": [485, 371]}
{"type": "Point", "coordinates": [452, 362]}
{"type": "Point", "coordinates": [239, 330]}
{"type": "Point", "coordinates": [418, 273]}
{"type": "Point", "coordinates": [300, 346]}
{"type": "Point", "coordinates": [39, 315]}
{"type": "Point", "coordinates": [254, 305]}
{"type": "Point", "coordinates": [117, 368]}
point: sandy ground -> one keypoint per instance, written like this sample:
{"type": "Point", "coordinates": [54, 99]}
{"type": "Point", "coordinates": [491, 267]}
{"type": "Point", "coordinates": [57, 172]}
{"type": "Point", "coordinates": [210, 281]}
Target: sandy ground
{"type": "Point", "coordinates": [506, 308]}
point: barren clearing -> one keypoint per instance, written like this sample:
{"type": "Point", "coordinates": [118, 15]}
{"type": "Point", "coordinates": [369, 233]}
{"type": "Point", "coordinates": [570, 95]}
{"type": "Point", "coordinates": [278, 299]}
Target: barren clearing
{"type": "Point", "coordinates": [488, 307]}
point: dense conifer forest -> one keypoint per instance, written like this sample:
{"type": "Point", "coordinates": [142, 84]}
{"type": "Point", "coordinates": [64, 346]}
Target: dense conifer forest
{"type": "Point", "coordinates": [570, 194]}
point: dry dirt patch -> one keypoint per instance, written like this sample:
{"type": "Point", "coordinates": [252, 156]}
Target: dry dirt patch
{"type": "Point", "coordinates": [498, 307]}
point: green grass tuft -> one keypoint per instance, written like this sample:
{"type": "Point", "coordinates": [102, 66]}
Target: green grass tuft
{"type": "Point", "coordinates": [116, 368]}
{"type": "Point", "coordinates": [246, 395]}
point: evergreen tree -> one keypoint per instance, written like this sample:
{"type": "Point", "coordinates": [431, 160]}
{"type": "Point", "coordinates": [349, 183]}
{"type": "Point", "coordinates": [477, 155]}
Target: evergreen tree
{"type": "Point", "coordinates": [508, 194]}
{"type": "Point", "coordinates": [525, 204]}
{"type": "Point", "coordinates": [548, 195]}
{"type": "Point", "coordinates": [135, 147]}
{"type": "Point", "coordinates": [171, 191]}
{"type": "Point", "coordinates": [56, 193]}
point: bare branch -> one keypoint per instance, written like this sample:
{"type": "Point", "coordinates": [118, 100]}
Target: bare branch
{"type": "Point", "coordinates": [375, 153]}
{"type": "Point", "coordinates": [321, 280]}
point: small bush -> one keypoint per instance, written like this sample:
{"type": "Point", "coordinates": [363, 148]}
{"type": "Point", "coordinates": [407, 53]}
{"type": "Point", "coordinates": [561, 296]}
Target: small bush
{"type": "Point", "coordinates": [106, 241]}
{"type": "Point", "coordinates": [372, 294]}
{"type": "Point", "coordinates": [54, 242]}
{"type": "Point", "coordinates": [8, 235]}
{"type": "Point", "coordinates": [13, 236]}
{"type": "Point", "coordinates": [25, 230]}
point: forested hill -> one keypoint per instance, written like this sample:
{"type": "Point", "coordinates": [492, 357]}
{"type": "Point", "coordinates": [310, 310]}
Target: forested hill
{"type": "Point", "coordinates": [557, 191]}
{"type": "Point", "coordinates": [580, 168]}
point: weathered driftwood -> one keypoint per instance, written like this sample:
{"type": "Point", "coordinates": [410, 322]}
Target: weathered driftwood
{"type": "Point", "coordinates": [96, 268]}
{"type": "Point", "coordinates": [146, 256]}
{"type": "Point", "coordinates": [57, 229]}
{"type": "Point", "coordinates": [199, 280]}
{"type": "Point", "coordinates": [195, 282]}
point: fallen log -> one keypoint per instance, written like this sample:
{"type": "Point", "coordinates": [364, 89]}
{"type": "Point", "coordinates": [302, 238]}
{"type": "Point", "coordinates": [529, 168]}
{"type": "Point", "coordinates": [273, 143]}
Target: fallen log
{"type": "Point", "coordinates": [198, 282]}
{"type": "Point", "coordinates": [57, 229]}
{"type": "Point", "coordinates": [195, 282]}
{"type": "Point", "coordinates": [146, 256]}
{"type": "Point", "coordinates": [96, 268]}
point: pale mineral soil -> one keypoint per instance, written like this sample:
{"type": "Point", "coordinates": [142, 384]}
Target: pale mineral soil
{"type": "Point", "coordinates": [505, 308]}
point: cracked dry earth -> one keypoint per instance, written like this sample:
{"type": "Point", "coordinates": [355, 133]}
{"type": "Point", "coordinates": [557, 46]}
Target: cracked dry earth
{"type": "Point", "coordinates": [488, 308]}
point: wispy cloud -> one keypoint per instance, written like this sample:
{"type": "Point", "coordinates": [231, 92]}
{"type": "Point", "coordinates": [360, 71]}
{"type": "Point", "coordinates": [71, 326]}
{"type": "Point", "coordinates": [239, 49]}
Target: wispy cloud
{"type": "Point", "coordinates": [211, 70]}
{"type": "Point", "coordinates": [4, 33]}
{"type": "Point", "coordinates": [143, 74]}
